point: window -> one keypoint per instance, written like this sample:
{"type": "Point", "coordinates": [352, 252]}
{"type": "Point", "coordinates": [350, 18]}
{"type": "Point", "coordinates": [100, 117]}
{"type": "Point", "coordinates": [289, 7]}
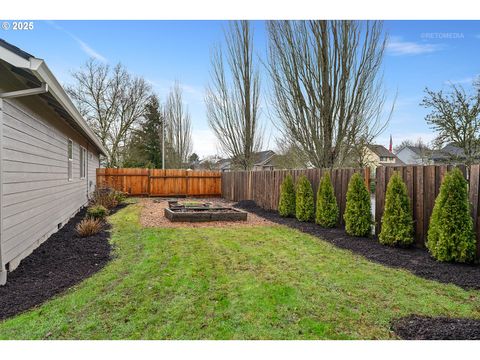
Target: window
{"type": "Point", "coordinates": [83, 161]}
{"type": "Point", "coordinates": [70, 159]}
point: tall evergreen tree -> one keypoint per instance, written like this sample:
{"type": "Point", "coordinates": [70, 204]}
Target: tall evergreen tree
{"type": "Point", "coordinates": [145, 146]}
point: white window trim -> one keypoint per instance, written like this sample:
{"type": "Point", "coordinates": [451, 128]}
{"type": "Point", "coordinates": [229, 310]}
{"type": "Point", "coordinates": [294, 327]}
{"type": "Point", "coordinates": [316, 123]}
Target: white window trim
{"type": "Point", "coordinates": [84, 152]}
{"type": "Point", "coordinates": [70, 161]}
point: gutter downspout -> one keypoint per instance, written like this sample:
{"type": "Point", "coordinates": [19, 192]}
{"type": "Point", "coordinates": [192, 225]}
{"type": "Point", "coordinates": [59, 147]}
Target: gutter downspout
{"type": "Point", "coordinates": [10, 95]}
{"type": "Point", "coordinates": [3, 270]}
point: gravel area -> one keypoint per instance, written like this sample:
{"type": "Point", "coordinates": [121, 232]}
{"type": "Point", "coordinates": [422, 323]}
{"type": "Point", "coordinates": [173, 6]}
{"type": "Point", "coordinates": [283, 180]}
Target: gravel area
{"type": "Point", "coordinates": [153, 215]}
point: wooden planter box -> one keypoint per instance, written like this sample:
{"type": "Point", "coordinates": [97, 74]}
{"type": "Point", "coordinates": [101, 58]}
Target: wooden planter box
{"type": "Point", "coordinates": [203, 215]}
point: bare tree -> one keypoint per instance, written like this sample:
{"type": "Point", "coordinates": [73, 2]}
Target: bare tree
{"type": "Point", "coordinates": [178, 142]}
{"type": "Point", "coordinates": [455, 116]}
{"type": "Point", "coordinates": [327, 86]}
{"type": "Point", "coordinates": [233, 106]}
{"type": "Point", "coordinates": [112, 101]}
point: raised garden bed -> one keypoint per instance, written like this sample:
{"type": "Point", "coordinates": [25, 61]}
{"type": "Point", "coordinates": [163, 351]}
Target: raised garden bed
{"type": "Point", "coordinates": [202, 212]}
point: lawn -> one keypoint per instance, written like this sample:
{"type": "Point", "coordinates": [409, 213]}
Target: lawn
{"type": "Point", "coordinates": [235, 283]}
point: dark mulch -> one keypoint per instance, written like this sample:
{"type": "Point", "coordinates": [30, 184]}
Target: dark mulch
{"type": "Point", "coordinates": [418, 261]}
{"type": "Point", "coordinates": [59, 263]}
{"type": "Point", "coordinates": [426, 328]}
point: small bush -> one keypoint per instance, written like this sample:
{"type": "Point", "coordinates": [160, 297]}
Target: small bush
{"type": "Point", "coordinates": [105, 197]}
{"type": "Point", "coordinates": [358, 217]}
{"type": "Point", "coordinates": [327, 208]}
{"type": "Point", "coordinates": [286, 204]}
{"type": "Point", "coordinates": [97, 212]}
{"type": "Point", "coordinates": [88, 227]}
{"type": "Point", "coordinates": [397, 220]}
{"type": "Point", "coordinates": [304, 203]}
{"type": "Point", "coordinates": [120, 196]}
{"type": "Point", "coordinates": [450, 234]}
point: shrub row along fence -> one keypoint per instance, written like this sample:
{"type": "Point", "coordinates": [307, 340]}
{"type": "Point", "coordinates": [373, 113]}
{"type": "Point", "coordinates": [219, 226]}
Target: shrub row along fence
{"type": "Point", "coordinates": [263, 187]}
{"type": "Point", "coordinates": [155, 182]}
{"type": "Point", "coordinates": [423, 185]}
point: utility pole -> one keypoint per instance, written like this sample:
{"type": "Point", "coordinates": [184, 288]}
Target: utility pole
{"type": "Point", "coordinates": [163, 143]}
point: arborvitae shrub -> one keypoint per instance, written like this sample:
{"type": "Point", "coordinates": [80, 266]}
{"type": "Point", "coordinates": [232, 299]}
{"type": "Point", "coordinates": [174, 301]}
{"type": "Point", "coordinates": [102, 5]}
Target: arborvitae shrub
{"type": "Point", "coordinates": [327, 208]}
{"type": "Point", "coordinates": [304, 203]}
{"type": "Point", "coordinates": [397, 220]}
{"type": "Point", "coordinates": [286, 204]}
{"type": "Point", "coordinates": [450, 234]}
{"type": "Point", "coordinates": [358, 217]}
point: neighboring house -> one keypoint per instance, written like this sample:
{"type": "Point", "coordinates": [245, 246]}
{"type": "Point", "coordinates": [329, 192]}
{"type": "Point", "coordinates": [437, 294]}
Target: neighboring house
{"type": "Point", "coordinates": [48, 156]}
{"type": "Point", "coordinates": [415, 155]}
{"type": "Point", "coordinates": [264, 160]}
{"type": "Point", "coordinates": [449, 154]}
{"type": "Point", "coordinates": [378, 155]}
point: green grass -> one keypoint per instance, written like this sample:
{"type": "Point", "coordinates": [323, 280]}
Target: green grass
{"type": "Point", "coordinates": [237, 283]}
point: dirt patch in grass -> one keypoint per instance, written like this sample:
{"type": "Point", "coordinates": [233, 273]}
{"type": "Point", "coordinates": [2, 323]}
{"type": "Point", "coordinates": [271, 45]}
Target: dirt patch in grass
{"type": "Point", "coordinates": [427, 328]}
{"type": "Point", "coordinates": [59, 263]}
{"type": "Point", "coordinates": [418, 261]}
{"type": "Point", "coordinates": [153, 216]}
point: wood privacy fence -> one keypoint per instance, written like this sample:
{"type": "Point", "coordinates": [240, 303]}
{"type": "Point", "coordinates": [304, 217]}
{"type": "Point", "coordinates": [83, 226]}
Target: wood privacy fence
{"type": "Point", "coordinates": [263, 187]}
{"type": "Point", "coordinates": [423, 185]}
{"type": "Point", "coordinates": [155, 182]}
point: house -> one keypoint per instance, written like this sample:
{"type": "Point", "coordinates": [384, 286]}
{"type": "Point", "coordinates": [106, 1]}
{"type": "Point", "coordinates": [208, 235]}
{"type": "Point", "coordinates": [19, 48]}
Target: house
{"type": "Point", "coordinates": [263, 160]}
{"type": "Point", "coordinates": [378, 155]}
{"type": "Point", "coordinates": [449, 154]}
{"type": "Point", "coordinates": [415, 155]}
{"type": "Point", "coordinates": [48, 156]}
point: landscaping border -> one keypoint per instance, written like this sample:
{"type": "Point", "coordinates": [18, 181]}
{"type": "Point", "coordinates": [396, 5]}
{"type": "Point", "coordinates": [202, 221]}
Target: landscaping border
{"type": "Point", "coordinates": [416, 260]}
{"type": "Point", "coordinates": [61, 262]}
{"type": "Point", "coordinates": [417, 327]}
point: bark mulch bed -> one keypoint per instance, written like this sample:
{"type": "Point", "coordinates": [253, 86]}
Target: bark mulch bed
{"type": "Point", "coordinates": [418, 261]}
{"type": "Point", "coordinates": [59, 263]}
{"type": "Point", "coordinates": [426, 328]}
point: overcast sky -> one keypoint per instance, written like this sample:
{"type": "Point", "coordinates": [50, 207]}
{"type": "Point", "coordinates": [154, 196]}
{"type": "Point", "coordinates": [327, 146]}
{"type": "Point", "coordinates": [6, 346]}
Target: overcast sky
{"type": "Point", "coordinates": [419, 54]}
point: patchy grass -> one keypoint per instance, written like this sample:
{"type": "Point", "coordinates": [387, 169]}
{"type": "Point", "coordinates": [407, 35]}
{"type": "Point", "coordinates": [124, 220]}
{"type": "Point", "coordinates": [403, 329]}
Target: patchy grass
{"type": "Point", "coordinates": [235, 283]}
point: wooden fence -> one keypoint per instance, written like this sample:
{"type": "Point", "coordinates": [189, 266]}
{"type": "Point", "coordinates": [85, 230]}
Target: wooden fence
{"type": "Point", "coordinates": [423, 184]}
{"type": "Point", "coordinates": [263, 187]}
{"type": "Point", "coordinates": [155, 182]}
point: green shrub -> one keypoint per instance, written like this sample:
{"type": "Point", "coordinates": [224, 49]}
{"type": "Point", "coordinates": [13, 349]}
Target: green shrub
{"type": "Point", "coordinates": [450, 234]}
{"type": "Point", "coordinates": [105, 197]}
{"type": "Point", "coordinates": [120, 196]}
{"type": "Point", "coordinates": [358, 217]}
{"type": "Point", "coordinates": [304, 203]}
{"type": "Point", "coordinates": [286, 204]}
{"type": "Point", "coordinates": [327, 208]}
{"type": "Point", "coordinates": [97, 212]}
{"type": "Point", "coordinates": [397, 220]}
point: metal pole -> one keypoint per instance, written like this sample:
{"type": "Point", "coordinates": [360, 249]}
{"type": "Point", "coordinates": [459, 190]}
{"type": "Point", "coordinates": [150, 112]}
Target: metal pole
{"type": "Point", "coordinates": [163, 143]}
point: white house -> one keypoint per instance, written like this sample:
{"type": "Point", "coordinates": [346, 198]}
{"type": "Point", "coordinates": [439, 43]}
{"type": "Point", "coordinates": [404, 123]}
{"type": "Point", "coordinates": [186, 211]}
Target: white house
{"type": "Point", "coordinates": [48, 156]}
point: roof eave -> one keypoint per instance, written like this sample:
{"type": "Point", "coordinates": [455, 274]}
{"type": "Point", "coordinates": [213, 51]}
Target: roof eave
{"type": "Point", "coordinates": [40, 69]}
{"type": "Point", "coordinates": [44, 74]}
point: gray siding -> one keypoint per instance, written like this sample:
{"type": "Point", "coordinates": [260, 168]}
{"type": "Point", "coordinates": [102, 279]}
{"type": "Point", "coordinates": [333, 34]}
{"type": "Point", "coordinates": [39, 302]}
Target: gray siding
{"type": "Point", "coordinates": [37, 195]}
